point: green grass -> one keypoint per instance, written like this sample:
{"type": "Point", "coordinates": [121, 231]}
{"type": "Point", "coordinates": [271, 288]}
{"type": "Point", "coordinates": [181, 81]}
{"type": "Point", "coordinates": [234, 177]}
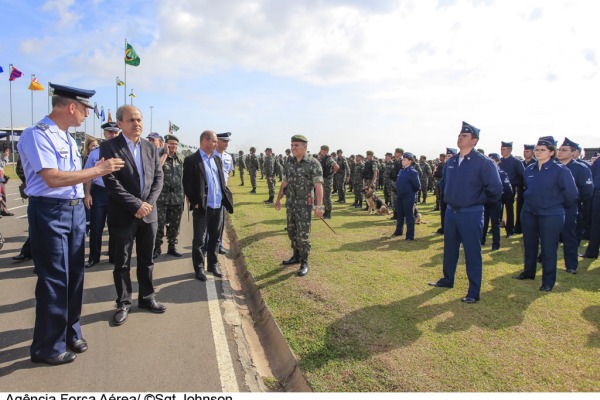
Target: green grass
{"type": "Point", "coordinates": [364, 318]}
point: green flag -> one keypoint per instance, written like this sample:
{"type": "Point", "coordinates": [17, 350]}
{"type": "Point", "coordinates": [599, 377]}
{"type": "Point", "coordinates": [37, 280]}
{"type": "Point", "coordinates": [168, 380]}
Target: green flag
{"type": "Point", "coordinates": [174, 127]}
{"type": "Point", "coordinates": [131, 56]}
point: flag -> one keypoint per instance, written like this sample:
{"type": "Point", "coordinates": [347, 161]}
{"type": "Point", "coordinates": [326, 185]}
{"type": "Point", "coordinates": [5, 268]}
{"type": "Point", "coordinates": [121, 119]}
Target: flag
{"type": "Point", "coordinates": [131, 56]}
{"type": "Point", "coordinates": [102, 114]}
{"type": "Point", "coordinates": [96, 112]}
{"type": "Point", "coordinates": [14, 74]}
{"type": "Point", "coordinates": [35, 85]}
{"type": "Point", "coordinates": [174, 127]}
{"type": "Point", "coordinates": [109, 117]}
{"type": "Point", "coordinates": [120, 82]}
{"type": "Point", "coordinates": [132, 94]}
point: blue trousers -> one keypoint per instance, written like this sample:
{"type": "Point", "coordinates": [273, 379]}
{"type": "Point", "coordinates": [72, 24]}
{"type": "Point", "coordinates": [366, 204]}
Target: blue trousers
{"type": "Point", "coordinates": [492, 212]}
{"type": "Point", "coordinates": [57, 235]}
{"type": "Point", "coordinates": [206, 235]}
{"type": "Point", "coordinates": [570, 239]}
{"type": "Point", "coordinates": [544, 230]}
{"type": "Point", "coordinates": [463, 226]}
{"type": "Point", "coordinates": [404, 211]}
{"type": "Point", "coordinates": [594, 243]}
{"type": "Point", "coordinates": [97, 222]}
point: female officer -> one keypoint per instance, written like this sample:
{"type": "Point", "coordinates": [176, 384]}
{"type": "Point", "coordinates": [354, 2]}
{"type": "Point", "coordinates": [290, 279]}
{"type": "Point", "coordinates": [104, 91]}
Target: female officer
{"type": "Point", "coordinates": [550, 189]}
{"type": "Point", "coordinates": [407, 185]}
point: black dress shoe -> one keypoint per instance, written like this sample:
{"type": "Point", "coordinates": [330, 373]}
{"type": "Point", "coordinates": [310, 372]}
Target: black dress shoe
{"type": "Point", "coordinates": [79, 346]}
{"type": "Point", "coordinates": [121, 315]}
{"type": "Point", "coordinates": [152, 305]}
{"type": "Point", "coordinates": [90, 263]}
{"type": "Point", "coordinates": [223, 250]}
{"type": "Point", "coordinates": [216, 271]}
{"type": "Point", "coordinates": [495, 247]}
{"type": "Point", "coordinates": [572, 271]}
{"type": "Point", "coordinates": [585, 255]}
{"type": "Point", "coordinates": [303, 268]}
{"type": "Point", "coordinates": [440, 284]}
{"type": "Point", "coordinates": [21, 257]}
{"type": "Point", "coordinates": [469, 300]}
{"type": "Point", "coordinates": [396, 233]}
{"type": "Point", "coordinates": [522, 277]}
{"type": "Point", "coordinates": [545, 288]}
{"type": "Point", "coordinates": [200, 275]}
{"type": "Point", "coordinates": [157, 252]}
{"type": "Point", "coordinates": [63, 358]}
{"type": "Point", "coordinates": [173, 251]}
{"type": "Point", "coordinates": [440, 231]}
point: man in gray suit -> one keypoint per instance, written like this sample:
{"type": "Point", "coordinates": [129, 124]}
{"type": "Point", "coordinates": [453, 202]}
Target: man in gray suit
{"type": "Point", "coordinates": [132, 215]}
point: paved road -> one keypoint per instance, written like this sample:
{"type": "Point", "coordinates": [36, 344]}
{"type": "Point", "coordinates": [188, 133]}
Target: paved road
{"type": "Point", "coordinates": [197, 345]}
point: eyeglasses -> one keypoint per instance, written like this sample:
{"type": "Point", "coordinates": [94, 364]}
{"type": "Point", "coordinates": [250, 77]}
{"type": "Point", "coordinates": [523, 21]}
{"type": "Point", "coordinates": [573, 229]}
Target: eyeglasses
{"type": "Point", "coordinates": [541, 150]}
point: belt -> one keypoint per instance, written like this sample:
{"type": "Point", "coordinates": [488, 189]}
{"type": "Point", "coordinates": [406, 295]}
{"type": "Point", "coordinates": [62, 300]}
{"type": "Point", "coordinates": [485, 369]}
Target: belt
{"type": "Point", "coordinates": [52, 200]}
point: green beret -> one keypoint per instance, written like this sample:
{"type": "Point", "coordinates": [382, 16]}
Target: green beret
{"type": "Point", "coordinates": [325, 147]}
{"type": "Point", "coordinates": [399, 150]}
{"type": "Point", "coordinates": [171, 137]}
{"type": "Point", "coordinates": [299, 138]}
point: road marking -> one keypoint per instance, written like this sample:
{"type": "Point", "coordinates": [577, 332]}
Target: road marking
{"type": "Point", "coordinates": [226, 371]}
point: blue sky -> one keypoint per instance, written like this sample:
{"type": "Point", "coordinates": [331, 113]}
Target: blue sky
{"type": "Point", "coordinates": [352, 74]}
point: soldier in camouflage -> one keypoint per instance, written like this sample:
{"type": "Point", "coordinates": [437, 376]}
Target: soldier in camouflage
{"type": "Point", "coordinates": [342, 177]}
{"type": "Point", "coordinates": [330, 168]}
{"type": "Point", "coordinates": [241, 165]}
{"type": "Point", "coordinates": [261, 165]}
{"type": "Point", "coordinates": [357, 180]}
{"type": "Point", "coordinates": [170, 201]}
{"type": "Point", "coordinates": [269, 167]}
{"type": "Point", "coordinates": [351, 164]}
{"type": "Point", "coordinates": [388, 179]}
{"type": "Point", "coordinates": [424, 177]}
{"type": "Point", "coordinates": [303, 173]}
{"type": "Point", "coordinates": [252, 164]}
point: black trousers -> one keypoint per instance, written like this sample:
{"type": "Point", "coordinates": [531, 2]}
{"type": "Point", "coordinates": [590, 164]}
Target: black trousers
{"type": "Point", "coordinates": [144, 235]}
{"type": "Point", "coordinates": [509, 205]}
{"type": "Point", "coordinates": [206, 224]}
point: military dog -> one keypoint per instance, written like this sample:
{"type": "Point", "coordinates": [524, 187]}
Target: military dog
{"type": "Point", "coordinates": [375, 204]}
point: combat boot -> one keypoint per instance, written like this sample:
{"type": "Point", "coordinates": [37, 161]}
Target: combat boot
{"type": "Point", "coordinates": [253, 190]}
{"type": "Point", "coordinates": [295, 259]}
{"type": "Point", "coordinates": [327, 214]}
{"type": "Point", "coordinates": [269, 200]}
{"type": "Point", "coordinates": [157, 252]}
{"type": "Point", "coordinates": [303, 267]}
{"type": "Point", "coordinates": [394, 217]}
{"type": "Point", "coordinates": [173, 251]}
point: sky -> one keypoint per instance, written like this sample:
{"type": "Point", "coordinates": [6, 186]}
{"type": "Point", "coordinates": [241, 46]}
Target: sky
{"type": "Point", "coordinates": [355, 75]}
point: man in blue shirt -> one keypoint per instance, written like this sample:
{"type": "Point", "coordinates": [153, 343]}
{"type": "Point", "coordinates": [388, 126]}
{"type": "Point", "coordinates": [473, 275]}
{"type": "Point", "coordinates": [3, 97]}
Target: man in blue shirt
{"type": "Point", "coordinates": [52, 165]}
{"type": "Point", "coordinates": [471, 180]}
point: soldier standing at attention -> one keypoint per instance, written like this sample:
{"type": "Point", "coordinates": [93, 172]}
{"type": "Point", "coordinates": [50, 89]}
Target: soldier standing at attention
{"type": "Point", "coordinates": [515, 171]}
{"type": "Point", "coordinates": [424, 178]}
{"type": "Point", "coordinates": [397, 161]}
{"type": "Point", "coordinates": [342, 176]}
{"type": "Point", "coordinates": [261, 165]}
{"type": "Point", "coordinates": [241, 166]}
{"type": "Point", "coordinates": [470, 181]}
{"type": "Point", "coordinates": [170, 201]}
{"type": "Point", "coordinates": [388, 175]}
{"type": "Point", "coordinates": [252, 167]}
{"type": "Point", "coordinates": [351, 164]}
{"type": "Point", "coordinates": [329, 168]}
{"type": "Point", "coordinates": [359, 166]}
{"type": "Point", "coordinates": [228, 166]}
{"type": "Point", "coordinates": [437, 176]}
{"type": "Point", "coordinates": [303, 173]}
{"type": "Point", "coordinates": [269, 167]}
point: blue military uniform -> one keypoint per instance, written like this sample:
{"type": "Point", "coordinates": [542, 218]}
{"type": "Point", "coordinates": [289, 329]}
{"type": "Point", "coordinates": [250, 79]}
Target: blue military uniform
{"type": "Point", "coordinates": [594, 243]}
{"type": "Point", "coordinates": [514, 169]}
{"type": "Point", "coordinates": [493, 211]}
{"type": "Point", "coordinates": [407, 185]}
{"type": "Point", "coordinates": [57, 233]}
{"type": "Point", "coordinates": [550, 190]}
{"type": "Point", "coordinates": [469, 183]}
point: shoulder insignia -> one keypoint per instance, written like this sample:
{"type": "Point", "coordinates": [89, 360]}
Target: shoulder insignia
{"type": "Point", "coordinates": [42, 126]}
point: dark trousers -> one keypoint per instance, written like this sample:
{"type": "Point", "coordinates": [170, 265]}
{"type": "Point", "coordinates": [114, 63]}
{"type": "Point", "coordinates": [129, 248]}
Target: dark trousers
{"type": "Point", "coordinates": [57, 235]}
{"type": "Point", "coordinates": [464, 226]}
{"type": "Point", "coordinates": [594, 244]}
{"type": "Point", "coordinates": [586, 216]}
{"type": "Point", "coordinates": [544, 230]}
{"type": "Point", "coordinates": [208, 224]}
{"type": "Point", "coordinates": [492, 212]}
{"type": "Point", "coordinates": [520, 202]}
{"type": "Point", "coordinates": [509, 206]}
{"type": "Point", "coordinates": [97, 222]}
{"type": "Point", "coordinates": [144, 235]}
{"type": "Point", "coordinates": [26, 249]}
{"type": "Point", "coordinates": [569, 238]}
{"type": "Point", "coordinates": [404, 211]}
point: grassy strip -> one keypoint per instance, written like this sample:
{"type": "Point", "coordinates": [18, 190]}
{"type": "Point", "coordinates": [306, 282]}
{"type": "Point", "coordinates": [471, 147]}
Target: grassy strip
{"type": "Point", "coordinates": [364, 318]}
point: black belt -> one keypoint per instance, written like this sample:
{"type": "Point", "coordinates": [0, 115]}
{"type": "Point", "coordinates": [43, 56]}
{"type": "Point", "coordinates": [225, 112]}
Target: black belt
{"type": "Point", "coordinates": [52, 200]}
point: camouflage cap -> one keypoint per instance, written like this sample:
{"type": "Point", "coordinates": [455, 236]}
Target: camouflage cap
{"type": "Point", "coordinates": [299, 138]}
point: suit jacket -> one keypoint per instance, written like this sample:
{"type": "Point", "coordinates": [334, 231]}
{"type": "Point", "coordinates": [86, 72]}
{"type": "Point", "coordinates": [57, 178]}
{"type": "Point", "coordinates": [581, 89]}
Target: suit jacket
{"type": "Point", "coordinates": [123, 186]}
{"type": "Point", "coordinates": [195, 186]}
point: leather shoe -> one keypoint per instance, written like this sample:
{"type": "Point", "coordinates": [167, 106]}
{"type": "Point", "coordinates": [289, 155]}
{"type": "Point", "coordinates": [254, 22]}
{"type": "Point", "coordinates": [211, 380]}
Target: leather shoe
{"type": "Point", "coordinates": [216, 271]}
{"type": "Point", "coordinates": [21, 257]}
{"type": "Point", "coordinates": [440, 284]}
{"type": "Point", "coordinates": [585, 255]}
{"type": "Point", "coordinates": [295, 259]}
{"type": "Point", "coordinates": [469, 300]}
{"type": "Point", "coordinates": [200, 275]}
{"type": "Point", "coordinates": [303, 268]}
{"type": "Point", "coordinates": [63, 358]}
{"type": "Point", "coordinates": [90, 263]}
{"type": "Point", "coordinates": [7, 213]}
{"type": "Point", "coordinates": [571, 271]}
{"type": "Point", "coordinates": [545, 288]}
{"type": "Point", "coordinates": [222, 250]}
{"type": "Point", "coordinates": [121, 315]}
{"type": "Point", "coordinates": [157, 252]}
{"type": "Point", "coordinates": [173, 251]}
{"type": "Point", "coordinates": [495, 247]}
{"type": "Point", "coordinates": [152, 305]}
{"type": "Point", "coordinates": [79, 346]}
{"type": "Point", "coordinates": [522, 277]}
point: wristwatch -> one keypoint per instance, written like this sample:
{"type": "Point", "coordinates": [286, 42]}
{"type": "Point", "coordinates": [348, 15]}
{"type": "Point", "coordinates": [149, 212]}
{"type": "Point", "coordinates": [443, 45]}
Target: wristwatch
{"type": "Point", "coordinates": [319, 207]}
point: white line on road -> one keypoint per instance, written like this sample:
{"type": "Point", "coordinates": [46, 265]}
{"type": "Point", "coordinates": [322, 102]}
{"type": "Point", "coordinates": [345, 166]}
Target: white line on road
{"type": "Point", "coordinates": [226, 371]}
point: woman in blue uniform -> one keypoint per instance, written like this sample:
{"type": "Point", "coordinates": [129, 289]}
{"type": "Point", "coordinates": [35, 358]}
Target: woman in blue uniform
{"type": "Point", "coordinates": [407, 185]}
{"type": "Point", "coordinates": [550, 189]}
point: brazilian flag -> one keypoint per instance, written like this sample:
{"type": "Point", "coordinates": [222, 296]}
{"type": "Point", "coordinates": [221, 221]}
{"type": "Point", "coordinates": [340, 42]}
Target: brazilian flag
{"type": "Point", "coordinates": [131, 56]}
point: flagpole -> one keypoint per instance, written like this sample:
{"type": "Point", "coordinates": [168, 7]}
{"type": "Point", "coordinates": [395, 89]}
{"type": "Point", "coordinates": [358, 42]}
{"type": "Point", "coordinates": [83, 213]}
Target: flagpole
{"type": "Point", "coordinates": [117, 92]}
{"type": "Point", "coordinates": [94, 119]}
{"type": "Point", "coordinates": [12, 142]}
{"type": "Point", "coordinates": [125, 86]}
{"type": "Point", "coordinates": [49, 97]}
{"type": "Point", "coordinates": [32, 76]}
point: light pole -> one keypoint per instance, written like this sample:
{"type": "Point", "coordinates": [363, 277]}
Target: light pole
{"type": "Point", "coordinates": [151, 108]}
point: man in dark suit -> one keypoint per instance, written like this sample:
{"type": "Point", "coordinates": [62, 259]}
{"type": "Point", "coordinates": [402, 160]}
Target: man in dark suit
{"type": "Point", "coordinates": [204, 186]}
{"type": "Point", "coordinates": [132, 215]}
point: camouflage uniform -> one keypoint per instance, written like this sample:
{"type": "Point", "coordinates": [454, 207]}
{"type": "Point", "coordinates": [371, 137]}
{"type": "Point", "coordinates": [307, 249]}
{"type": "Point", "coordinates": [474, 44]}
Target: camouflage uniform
{"type": "Point", "coordinates": [261, 165]}
{"type": "Point", "coordinates": [327, 164]}
{"type": "Point", "coordinates": [351, 164]}
{"type": "Point", "coordinates": [252, 164]}
{"type": "Point", "coordinates": [424, 178]}
{"type": "Point", "coordinates": [389, 175]}
{"type": "Point", "coordinates": [340, 178]}
{"type": "Point", "coordinates": [269, 167]}
{"type": "Point", "coordinates": [170, 201]}
{"type": "Point", "coordinates": [357, 182]}
{"type": "Point", "coordinates": [242, 166]}
{"type": "Point", "coordinates": [301, 177]}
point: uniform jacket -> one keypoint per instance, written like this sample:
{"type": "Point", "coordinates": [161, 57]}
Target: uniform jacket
{"type": "Point", "coordinates": [195, 186]}
{"type": "Point", "coordinates": [550, 189]}
{"type": "Point", "coordinates": [583, 180]}
{"type": "Point", "coordinates": [514, 168]}
{"type": "Point", "coordinates": [123, 186]}
{"type": "Point", "coordinates": [408, 181]}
